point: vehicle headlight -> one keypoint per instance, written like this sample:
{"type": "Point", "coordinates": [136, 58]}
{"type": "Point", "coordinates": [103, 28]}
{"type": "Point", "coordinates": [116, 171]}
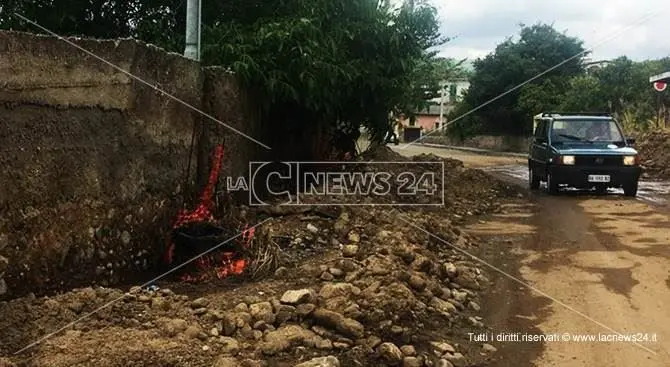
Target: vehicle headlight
{"type": "Point", "coordinates": [630, 160]}
{"type": "Point", "coordinates": [568, 159]}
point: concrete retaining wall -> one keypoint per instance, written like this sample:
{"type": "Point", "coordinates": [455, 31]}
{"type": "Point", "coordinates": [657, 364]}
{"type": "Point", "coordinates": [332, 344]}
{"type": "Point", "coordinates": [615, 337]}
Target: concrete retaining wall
{"type": "Point", "coordinates": [490, 142]}
{"type": "Point", "coordinates": [94, 161]}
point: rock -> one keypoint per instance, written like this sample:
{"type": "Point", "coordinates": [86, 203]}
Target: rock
{"type": "Point", "coordinates": [411, 362]}
{"type": "Point", "coordinates": [241, 307]}
{"type": "Point", "coordinates": [408, 350]}
{"type": "Point", "coordinates": [305, 309]}
{"type": "Point", "coordinates": [449, 270]}
{"type": "Point", "coordinates": [348, 327]}
{"type": "Point", "coordinates": [443, 347]}
{"type": "Point", "coordinates": [226, 362]}
{"type": "Point", "coordinates": [175, 326]}
{"type": "Point", "coordinates": [323, 344]}
{"type": "Point", "coordinates": [200, 303]}
{"type": "Point", "coordinates": [253, 363]}
{"type": "Point", "coordinates": [228, 324]}
{"type": "Point", "coordinates": [159, 303]}
{"type": "Point", "coordinates": [417, 282]}
{"type": "Point", "coordinates": [459, 296]}
{"type": "Point", "coordinates": [474, 306]}
{"type": "Point", "coordinates": [329, 361]}
{"type": "Point", "coordinates": [442, 305]}
{"type": "Point", "coordinates": [262, 311]}
{"type": "Point", "coordinates": [457, 359]}
{"type": "Point", "coordinates": [295, 297]}
{"type": "Point", "coordinates": [312, 228]}
{"type": "Point", "coordinates": [443, 363]}
{"type": "Point", "coordinates": [331, 290]}
{"type": "Point", "coordinates": [200, 311]}
{"type": "Point", "coordinates": [3, 287]}
{"type": "Point", "coordinates": [340, 346]}
{"type": "Point", "coordinates": [327, 276]}
{"type": "Point", "coordinates": [76, 306]}
{"type": "Point", "coordinates": [488, 348]}
{"type": "Point", "coordinates": [467, 278]}
{"type": "Point", "coordinates": [348, 265]}
{"type": "Point", "coordinates": [390, 353]}
{"type": "Point", "coordinates": [144, 298]}
{"type": "Point", "coordinates": [229, 345]}
{"type": "Point", "coordinates": [285, 313]}
{"type": "Point", "coordinates": [373, 342]}
{"type": "Point", "coordinates": [283, 338]}
{"type": "Point", "coordinates": [354, 237]}
{"type": "Point", "coordinates": [260, 325]}
{"type": "Point", "coordinates": [337, 273]}
{"type": "Point", "coordinates": [475, 322]}
{"type": "Point", "coordinates": [378, 265]}
{"type": "Point", "coordinates": [4, 264]}
{"type": "Point", "coordinates": [349, 250]}
{"type": "Point", "coordinates": [214, 331]}
{"type": "Point", "coordinates": [125, 237]}
{"type": "Point", "coordinates": [193, 331]}
{"type": "Point", "coordinates": [281, 272]}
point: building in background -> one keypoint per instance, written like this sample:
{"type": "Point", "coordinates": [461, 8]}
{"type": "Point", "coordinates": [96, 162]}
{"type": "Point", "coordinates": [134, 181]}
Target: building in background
{"type": "Point", "coordinates": [591, 65]}
{"type": "Point", "coordinates": [429, 118]}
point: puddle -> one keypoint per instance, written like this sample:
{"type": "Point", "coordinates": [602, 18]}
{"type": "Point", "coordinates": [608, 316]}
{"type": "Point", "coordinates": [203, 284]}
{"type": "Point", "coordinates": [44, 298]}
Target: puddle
{"type": "Point", "coordinates": [647, 190]}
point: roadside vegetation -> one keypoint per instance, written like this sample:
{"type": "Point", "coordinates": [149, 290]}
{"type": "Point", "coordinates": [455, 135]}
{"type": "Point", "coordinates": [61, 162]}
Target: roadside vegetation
{"type": "Point", "coordinates": [318, 69]}
{"type": "Point", "coordinates": [620, 87]}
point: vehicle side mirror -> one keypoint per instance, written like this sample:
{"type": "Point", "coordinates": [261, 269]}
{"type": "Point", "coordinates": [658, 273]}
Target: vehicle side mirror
{"type": "Point", "coordinates": [630, 141]}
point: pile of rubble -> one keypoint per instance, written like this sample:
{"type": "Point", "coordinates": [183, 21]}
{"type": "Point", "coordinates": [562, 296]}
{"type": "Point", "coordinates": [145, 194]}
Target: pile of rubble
{"type": "Point", "coordinates": [654, 149]}
{"type": "Point", "coordinates": [360, 286]}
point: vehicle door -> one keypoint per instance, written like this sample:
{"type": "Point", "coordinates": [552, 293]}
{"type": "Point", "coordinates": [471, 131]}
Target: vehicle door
{"type": "Point", "coordinates": [539, 148]}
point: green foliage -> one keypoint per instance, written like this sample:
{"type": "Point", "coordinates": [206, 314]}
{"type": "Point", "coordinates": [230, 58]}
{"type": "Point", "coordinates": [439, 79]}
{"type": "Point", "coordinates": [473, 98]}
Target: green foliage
{"type": "Point", "coordinates": [539, 48]}
{"type": "Point", "coordinates": [622, 87]}
{"type": "Point", "coordinates": [332, 60]}
{"type": "Point", "coordinates": [312, 65]}
{"type": "Point", "coordinates": [161, 22]}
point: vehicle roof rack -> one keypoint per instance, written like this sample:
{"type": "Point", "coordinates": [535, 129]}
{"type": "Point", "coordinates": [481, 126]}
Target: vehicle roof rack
{"type": "Point", "coordinates": [550, 114]}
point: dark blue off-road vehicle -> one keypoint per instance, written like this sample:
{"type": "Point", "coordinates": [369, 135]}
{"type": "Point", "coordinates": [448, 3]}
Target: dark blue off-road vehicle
{"type": "Point", "coordinates": [584, 151]}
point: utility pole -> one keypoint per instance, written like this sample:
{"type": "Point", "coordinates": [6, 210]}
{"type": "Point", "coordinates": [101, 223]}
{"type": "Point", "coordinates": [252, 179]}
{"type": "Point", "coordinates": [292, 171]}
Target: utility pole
{"type": "Point", "coordinates": [193, 20]}
{"type": "Point", "coordinates": [442, 87]}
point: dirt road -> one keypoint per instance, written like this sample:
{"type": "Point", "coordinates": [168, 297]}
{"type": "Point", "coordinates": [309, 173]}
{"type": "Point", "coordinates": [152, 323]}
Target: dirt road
{"type": "Point", "coordinates": [576, 266]}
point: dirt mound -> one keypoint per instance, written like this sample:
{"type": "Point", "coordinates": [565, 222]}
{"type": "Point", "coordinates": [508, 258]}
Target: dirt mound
{"type": "Point", "coordinates": [451, 189]}
{"type": "Point", "coordinates": [375, 291]}
{"type": "Point", "coordinates": [654, 151]}
{"type": "Point", "coordinates": [358, 285]}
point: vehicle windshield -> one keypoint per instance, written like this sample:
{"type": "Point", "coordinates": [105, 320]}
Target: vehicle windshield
{"type": "Point", "coordinates": [587, 131]}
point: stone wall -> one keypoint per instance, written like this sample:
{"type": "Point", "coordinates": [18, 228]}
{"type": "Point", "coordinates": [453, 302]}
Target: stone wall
{"type": "Point", "coordinates": [518, 144]}
{"type": "Point", "coordinates": [95, 162]}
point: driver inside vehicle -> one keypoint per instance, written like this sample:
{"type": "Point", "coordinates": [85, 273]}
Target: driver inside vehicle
{"type": "Point", "coordinates": [598, 131]}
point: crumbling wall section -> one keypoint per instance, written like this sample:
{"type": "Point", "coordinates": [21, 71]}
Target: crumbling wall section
{"type": "Point", "coordinates": [94, 161]}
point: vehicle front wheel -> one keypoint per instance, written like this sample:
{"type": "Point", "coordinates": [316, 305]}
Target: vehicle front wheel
{"type": "Point", "coordinates": [552, 185]}
{"type": "Point", "coordinates": [533, 180]}
{"type": "Point", "coordinates": [630, 190]}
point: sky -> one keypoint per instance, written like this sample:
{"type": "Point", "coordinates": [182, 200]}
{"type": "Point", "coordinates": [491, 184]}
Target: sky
{"type": "Point", "coordinates": [639, 29]}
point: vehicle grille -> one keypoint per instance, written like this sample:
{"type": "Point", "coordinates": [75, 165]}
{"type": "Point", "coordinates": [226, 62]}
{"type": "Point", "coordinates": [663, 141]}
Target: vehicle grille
{"type": "Point", "coordinates": [594, 160]}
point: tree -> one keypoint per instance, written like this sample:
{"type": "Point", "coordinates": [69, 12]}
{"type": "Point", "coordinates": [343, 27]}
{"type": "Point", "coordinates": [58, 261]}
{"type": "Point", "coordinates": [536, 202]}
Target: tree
{"type": "Point", "coordinates": [585, 94]}
{"type": "Point", "coordinates": [539, 48]}
{"type": "Point", "coordinates": [320, 64]}
{"type": "Point", "coordinates": [621, 87]}
{"type": "Point", "coordinates": [315, 66]}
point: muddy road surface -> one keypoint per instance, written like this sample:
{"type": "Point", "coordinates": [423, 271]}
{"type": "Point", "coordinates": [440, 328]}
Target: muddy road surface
{"type": "Point", "coordinates": [582, 279]}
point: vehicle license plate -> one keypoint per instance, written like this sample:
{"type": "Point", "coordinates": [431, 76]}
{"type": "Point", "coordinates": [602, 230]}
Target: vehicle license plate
{"type": "Point", "coordinates": [599, 178]}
